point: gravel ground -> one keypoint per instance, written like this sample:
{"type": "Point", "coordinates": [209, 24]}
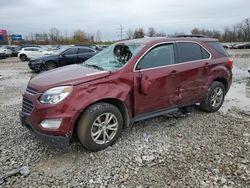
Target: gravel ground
{"type": "Point", "coordinates": [196, 150]}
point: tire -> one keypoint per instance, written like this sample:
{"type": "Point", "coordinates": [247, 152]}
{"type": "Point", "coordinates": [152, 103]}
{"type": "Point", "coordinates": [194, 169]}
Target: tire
{"type": "Point", "coordinates": [50, 65]}
{"type": "Point", "coordinates": [214, 97]}
{"type": "Point", "coordinates": [23, 57]}
{"type": "Point", "coordinates": [92, 127]}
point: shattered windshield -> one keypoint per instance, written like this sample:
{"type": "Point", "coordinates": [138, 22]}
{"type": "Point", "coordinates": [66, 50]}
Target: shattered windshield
{"type": "Point", "coordinates": [114, 57]}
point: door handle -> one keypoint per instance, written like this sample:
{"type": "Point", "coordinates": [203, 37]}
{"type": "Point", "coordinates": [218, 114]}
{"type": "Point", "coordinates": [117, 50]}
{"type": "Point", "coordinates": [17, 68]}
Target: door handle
{"type": "Point", "coordinates": [173, 72]}
{"type": "Point", "coordinates": [206, 65]}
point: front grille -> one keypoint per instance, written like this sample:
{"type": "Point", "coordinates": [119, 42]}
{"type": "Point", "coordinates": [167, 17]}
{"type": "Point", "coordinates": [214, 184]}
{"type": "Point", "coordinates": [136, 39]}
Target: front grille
{"type": "Point", "coordinates": [31, 90]}
{"type": "Point", "coordinates": [27, 106]}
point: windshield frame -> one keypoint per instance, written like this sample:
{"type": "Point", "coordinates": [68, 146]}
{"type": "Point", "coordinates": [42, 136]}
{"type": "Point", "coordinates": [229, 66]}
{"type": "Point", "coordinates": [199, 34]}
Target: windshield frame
{"type": "Point", "coordinates": [126, 43]}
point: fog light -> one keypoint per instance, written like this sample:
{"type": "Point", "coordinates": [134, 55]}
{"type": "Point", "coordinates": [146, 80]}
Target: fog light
{"type": "Point", "coordinates": [51, 123]}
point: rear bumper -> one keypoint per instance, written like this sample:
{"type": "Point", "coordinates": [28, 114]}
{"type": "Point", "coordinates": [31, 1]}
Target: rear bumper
{"type": "Point", "coordinates": [51, 140]}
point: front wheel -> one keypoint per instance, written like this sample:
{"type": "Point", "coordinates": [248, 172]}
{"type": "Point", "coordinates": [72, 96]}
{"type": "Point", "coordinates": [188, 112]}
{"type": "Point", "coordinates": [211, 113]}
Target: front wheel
{"type": "Point", "coordinates": [214, 97]}
{"type": "Point", "coordinates": [99, 126]}
{"type": "Point", "coordinates": [23, 57]}
{"type": "Point", "coordinates": [50, 65]}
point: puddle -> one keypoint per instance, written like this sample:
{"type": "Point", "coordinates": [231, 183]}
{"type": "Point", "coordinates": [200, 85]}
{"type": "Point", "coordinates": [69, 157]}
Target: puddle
{"type": "Point", "coordinates": [238, 96]}
{"type": "Point", "coordinates": [54, 165]}
{"type": "Point", "coordinates": [239, 74]}
{"type": "Point", "coordinates": [12, 85]}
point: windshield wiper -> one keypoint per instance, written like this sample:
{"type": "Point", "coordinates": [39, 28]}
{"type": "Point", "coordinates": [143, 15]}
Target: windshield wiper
{"type": "Point", "coordinates": [94, 66]}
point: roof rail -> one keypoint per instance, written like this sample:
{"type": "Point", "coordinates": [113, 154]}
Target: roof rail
{"type": "Point", "coordinates": [193, 36]}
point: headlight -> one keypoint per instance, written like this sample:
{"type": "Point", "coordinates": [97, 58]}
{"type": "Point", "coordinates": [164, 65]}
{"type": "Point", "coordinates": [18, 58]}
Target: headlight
{"type": "Point", "coordinates": [56, 95]}
{"type": "Point", "coordinates": [40, 61]}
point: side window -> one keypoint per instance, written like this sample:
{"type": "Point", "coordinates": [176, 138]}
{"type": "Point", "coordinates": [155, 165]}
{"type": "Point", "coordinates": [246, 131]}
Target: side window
{"type": "Point", "coordinates": [28, 49]}
{"type": "Point", "coordinates": [91, 50]}
{"type": "Point", "coordinates": [205, 54]}
{"type": "Point", "coordinates": [35, 49]}
{"type": "Point", "coordinates": [158, 56]}
{"type": "Point", "coordinates": [188, 51]}
{"type": "Point", "coordinates": [71, 51]}
{"type": "Point", "coordinates": [82, 50]}
{"type": "Point", "coordinates": [218, 47]}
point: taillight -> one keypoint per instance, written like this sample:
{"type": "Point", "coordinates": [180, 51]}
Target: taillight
{"type": "Point", "coordinates": [230, 64]}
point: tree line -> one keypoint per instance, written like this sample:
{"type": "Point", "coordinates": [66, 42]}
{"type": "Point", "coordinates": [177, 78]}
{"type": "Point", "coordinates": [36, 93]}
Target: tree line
{"type": "Point", "coordinates": [239, 32]}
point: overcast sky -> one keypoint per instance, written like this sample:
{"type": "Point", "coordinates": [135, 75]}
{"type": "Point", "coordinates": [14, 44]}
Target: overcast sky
{"type": "Point", "coordinates": [169, 16]}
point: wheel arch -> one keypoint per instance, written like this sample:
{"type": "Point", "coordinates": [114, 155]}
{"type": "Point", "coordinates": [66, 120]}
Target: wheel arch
{"type": "Point", "coordinates": [117, 103]}
{"type": "Point", "coordinates": [53, 61]}
{"type": "Point", "coordinates": [223, 81]}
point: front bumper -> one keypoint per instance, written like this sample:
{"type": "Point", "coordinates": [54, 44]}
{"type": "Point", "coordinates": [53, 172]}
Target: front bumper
{"type": "Point", "coordinates": [36, 66]}
{"type": "Point", "coordinates": [54, 141]}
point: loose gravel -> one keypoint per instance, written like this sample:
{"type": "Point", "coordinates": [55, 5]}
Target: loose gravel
{"type": "Point", "coordinates": [197, 150]}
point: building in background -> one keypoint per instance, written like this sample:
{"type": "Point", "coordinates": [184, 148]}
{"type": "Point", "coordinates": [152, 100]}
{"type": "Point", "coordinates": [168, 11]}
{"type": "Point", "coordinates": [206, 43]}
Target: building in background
{"type": "Point", "coordinates": [16, 37]}
{"type": "Point", "coordinates": [3, 36]}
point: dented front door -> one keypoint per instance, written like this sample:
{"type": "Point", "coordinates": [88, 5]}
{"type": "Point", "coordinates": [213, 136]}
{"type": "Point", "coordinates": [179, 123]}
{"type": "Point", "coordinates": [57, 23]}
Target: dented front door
{"type": "Point", "coordinates": [155, 80]}
{"type": "Point", "coordinates": [155, 90]}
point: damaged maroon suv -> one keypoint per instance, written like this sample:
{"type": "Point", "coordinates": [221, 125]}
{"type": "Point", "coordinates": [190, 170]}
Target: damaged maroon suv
{"type": "Point", "coordinates": [126, 82]}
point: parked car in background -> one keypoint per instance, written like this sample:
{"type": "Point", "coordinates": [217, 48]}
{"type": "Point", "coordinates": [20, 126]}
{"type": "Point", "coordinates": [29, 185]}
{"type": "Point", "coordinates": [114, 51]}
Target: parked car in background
{"type": "Point", "coordinates": [2, 55]}
{"type": "Point", "coordinates": [15, 50]}
{"type": "Point", "coordinates": [32, 52]}
{"type": "Point", "coordinates": [29, 45]}
{"type": "Point", "coordinates": [6, 50]}
{"type": "Point", "coordinates": [67, 57]}
{"type": "Point", "coordinates": [92, 46]}
{"type": "Point", "coordinates": [103, 46]}
{"type": "Point", "coordinates": [124, 83]}
{"type": "Point", "coordinates": [243, 46]}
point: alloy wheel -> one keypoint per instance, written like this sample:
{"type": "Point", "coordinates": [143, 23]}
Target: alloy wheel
{"type": "Point", "coordinates": [217, 97]}
{"type": "Point", "coordinates": [104, 128]}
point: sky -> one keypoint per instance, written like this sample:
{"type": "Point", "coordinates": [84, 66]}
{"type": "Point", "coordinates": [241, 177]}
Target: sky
{"type": "Point", "coordinates": [169, 16]}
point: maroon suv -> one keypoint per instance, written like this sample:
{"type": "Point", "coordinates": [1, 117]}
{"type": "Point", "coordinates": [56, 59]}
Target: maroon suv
{"type": "Point", "coordinates": [126, 82]}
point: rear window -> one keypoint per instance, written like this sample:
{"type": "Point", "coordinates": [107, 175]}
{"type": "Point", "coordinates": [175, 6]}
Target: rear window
{"type": "Point", "coordinates": [189, 51]}
{"type": "Point", "coordinates": [218, 47]}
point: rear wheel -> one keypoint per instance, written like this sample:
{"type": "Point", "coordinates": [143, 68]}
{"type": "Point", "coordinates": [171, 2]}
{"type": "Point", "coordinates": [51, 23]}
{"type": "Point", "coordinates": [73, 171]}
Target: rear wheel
{"type": "Point", "coordinates": [50, 65]}
{"type": "Point", "coordinates": [99, 126]}
{"type": "Point", "coordinates": [23, 57]}
{"type": "Point", "coordinates": [214, 97]}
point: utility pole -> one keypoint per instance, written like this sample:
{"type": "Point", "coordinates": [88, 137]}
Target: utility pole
{"type": "Point", "coordinates": [121, 29]}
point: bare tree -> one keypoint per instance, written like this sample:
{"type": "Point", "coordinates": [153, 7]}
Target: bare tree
{"type": "Point", "coordinates": [98, 36]}
{"type": "Point", "coordinates": [80, 36]}
{"type": "Point", "coordinates": [54, 35]}
{"type": "Point", "coordinates": [151, 32]}
{"type": "Point", "coordinates": [139, 33]}
{"type": "Point", "coordinates": [130, 34]}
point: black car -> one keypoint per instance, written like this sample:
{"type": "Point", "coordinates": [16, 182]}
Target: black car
{"type": "Point", "coordinates": [92, 46]}
{"type": "Point", "coordinates": [2, 55]}
{"type": "Point", "coordinates": [15, 50]}
{"type": "Point", "coordinates": [244, 46]}
{"type": "Point", "coordinates": [67, 57]}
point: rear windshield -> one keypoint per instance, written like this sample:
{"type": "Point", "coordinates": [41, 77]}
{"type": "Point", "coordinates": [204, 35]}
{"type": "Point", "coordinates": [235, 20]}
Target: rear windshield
{"type": "Point", "coordinates": [218, 47]}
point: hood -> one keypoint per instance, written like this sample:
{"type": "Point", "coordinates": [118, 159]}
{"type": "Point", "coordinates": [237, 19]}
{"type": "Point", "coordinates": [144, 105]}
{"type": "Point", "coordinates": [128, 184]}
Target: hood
{"type": "Point", "coordinates": [68, 75]}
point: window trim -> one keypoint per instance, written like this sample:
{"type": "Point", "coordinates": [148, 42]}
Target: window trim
{"type": "Point", "coordinates": [210, 55]}
{"type": "Point", "coordinates": [175, 52]}
{"type": "Point", "coordinates": [63, 53]}
{"type": "Point", "coordinates": [145, 53]}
